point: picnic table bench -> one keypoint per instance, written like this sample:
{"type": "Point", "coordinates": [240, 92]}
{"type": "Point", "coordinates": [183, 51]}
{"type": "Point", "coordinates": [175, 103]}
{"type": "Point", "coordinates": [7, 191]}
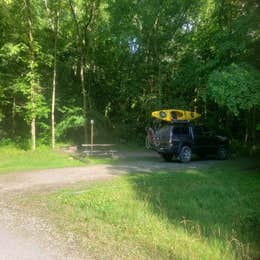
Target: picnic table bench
{"type": "Point", "coordinates": [98, 149]}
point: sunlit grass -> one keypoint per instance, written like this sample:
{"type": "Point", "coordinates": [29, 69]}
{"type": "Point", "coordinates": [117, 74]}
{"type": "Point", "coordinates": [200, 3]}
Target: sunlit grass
{"type": "Point", "coordinates": [15, 159]}
{"type": "Point", "coordinates": [194, 214]}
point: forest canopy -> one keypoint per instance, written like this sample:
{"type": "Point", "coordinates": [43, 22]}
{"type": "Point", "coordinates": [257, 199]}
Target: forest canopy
{"type": "Point", "coordinates": [64, 62]}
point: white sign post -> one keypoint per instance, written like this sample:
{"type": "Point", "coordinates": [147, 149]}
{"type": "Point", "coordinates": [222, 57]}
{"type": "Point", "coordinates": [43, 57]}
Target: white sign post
{"type": "Point", "coordinates": [92, 133]}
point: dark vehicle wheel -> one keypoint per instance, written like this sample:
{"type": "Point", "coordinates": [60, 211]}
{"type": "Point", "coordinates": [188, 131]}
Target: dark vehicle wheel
{"type": "Point", "coordinates": [222, 153]}
{"type": "Point", "coordinates": [167, 157]}
{"type": "Point", "coordinates": [185, 154]}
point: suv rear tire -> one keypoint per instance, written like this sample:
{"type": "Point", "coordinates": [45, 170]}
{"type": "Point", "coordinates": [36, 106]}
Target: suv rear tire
{"type": "Point", "coordinates": [222, 153]}
{"type": "Point", "coordinates": [185, 154]}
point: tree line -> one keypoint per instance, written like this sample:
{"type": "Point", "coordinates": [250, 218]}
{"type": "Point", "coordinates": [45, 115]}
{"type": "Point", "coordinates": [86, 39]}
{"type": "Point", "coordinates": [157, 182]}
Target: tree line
{"type": "Point", "coordinates": [64, 62]}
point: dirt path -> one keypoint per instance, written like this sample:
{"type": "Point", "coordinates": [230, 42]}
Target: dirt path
{"type": "Point", "coordinates": [23, 236]}
{"type": "Point", "coordinates": [55, 178]}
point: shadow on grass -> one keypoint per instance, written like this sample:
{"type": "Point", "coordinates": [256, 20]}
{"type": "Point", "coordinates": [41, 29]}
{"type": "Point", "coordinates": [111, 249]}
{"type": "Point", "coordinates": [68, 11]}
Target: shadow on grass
{"type": "Point", "coordinates": [217, 203]}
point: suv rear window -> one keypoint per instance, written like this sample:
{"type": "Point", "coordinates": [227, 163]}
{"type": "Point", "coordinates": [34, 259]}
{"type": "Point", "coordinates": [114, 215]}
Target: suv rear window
{"type": "Point", "coordinates": [181, 130]}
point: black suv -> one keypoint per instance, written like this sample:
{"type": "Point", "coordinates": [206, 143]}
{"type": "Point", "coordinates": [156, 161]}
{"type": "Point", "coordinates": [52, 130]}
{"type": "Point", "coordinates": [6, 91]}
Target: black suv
{"type": "Point", "coordinates": [181, 140]}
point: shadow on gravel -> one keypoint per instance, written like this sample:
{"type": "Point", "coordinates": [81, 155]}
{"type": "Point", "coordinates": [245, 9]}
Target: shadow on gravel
{"type": "Point", "coordinates": [157, 164]}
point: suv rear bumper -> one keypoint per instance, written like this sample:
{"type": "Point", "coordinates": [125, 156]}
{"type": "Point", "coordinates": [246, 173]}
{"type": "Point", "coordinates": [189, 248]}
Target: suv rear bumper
{"type": "Point", "coordinates": [168, 150]}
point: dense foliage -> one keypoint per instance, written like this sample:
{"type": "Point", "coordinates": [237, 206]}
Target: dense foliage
{"type": "Point", "coordinates": [65, 62]}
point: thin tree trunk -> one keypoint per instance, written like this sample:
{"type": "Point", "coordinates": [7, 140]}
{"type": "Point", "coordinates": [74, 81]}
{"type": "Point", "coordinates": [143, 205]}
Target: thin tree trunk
{"type": "Point", "coordinates": [54, 81]}
{"type": "Point", "coordinates": [205, 109]}
{"type": "Point", "coordinates": [82, 68]}
{"type": "Point", "coordinates": [156, 58]}
{"type": "Point", "coordinates": [246, 136]}
{"type": "Point", "coordinates": [84, 96]}
{"type": "Point", "coordinates": [32, 80]}
{"type": "Point", "coordinates": [253, 131]}
{"type": "Point", "coordinates": [90, 77]}
{"type": "Point", "coordinates": [248, 128]}
{"type": "Point", "coordinates": [54, 24]}
{"type": "Point", "coordinates": [13, 117]}
{"type": "Point", "coordinates": [195, 100]}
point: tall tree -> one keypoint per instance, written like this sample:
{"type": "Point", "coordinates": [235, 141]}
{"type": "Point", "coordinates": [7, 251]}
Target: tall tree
{"type": "Point", "coordinates": [81, 47]}
{"type": "Point", "coordinates": [54, 23]}
{"type": "Point", "coordinates": [32, 74]}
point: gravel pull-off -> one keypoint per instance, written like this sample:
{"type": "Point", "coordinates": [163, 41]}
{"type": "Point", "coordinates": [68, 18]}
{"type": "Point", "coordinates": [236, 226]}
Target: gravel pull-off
{"type": "Point", "coordinates": [24, 237]}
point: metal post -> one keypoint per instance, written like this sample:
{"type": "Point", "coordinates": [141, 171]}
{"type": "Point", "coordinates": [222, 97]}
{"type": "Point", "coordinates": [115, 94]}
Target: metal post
{"type": "Point", "coordinates": [92, 134]}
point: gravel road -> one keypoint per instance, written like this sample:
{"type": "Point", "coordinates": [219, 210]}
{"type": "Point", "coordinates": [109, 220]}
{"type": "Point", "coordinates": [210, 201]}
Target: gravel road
{"type": "Point", "coordinates": [23, 236]}
{"type": "Point", "coordinates": [55, 178]}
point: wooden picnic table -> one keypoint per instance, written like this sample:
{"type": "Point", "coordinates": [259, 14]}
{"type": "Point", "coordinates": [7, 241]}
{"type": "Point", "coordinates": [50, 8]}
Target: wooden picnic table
{"type": "Point", "coordinates": [98, 149]}
{"type": "Point", "coordinates": [97, 145]}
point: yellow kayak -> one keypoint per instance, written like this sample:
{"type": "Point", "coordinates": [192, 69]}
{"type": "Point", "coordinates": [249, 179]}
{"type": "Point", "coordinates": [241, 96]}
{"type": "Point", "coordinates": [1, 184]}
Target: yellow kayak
{"type": "Point", "coordinates": [170, 115]}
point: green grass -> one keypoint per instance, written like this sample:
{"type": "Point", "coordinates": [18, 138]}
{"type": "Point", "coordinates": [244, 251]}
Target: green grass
{"type": "Point", "coordinates": [16, 159]}
{"type": "Point", "coordinates": [190, 214]}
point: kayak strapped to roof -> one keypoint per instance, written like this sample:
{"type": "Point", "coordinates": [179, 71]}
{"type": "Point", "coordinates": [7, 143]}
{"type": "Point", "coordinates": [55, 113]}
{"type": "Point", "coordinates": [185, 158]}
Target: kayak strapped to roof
{"type": "Point", "coordinates": [174, 115]}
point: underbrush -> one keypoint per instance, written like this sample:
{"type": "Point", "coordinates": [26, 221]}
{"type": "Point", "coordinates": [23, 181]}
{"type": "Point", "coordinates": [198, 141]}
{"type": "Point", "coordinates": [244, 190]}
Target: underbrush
{"type": "Point", "coordinates": [190, 214]}
{"type": "Point", "coordinates": [239, 149]}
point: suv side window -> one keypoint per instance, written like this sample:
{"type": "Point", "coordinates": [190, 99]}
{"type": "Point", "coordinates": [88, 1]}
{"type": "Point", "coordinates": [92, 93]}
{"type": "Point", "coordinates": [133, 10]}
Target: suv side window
{"type": "Point", "coordinates": [181, 130]}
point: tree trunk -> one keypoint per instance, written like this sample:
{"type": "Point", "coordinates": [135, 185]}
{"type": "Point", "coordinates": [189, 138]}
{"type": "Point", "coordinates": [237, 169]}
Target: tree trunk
{"type": "Point", "coordinates": [90, 79]}
{"type": "Point", "coordinates": [205, 109]}
{"type": "Point", "coordinates": [253, 132]}
{"type": "Point", "coordinates": [84, 96]}
{"type": "Point", "coordinates": [32, 79]}
{"type": "Point", "coordinates": [247, 129]}
{"type": "Point", "coordinates": [156, 59]}
{"type": "Point", "coordinates": [82, 68]}
{"type": "Point", "coordinates": [54, 24]}
{"type": "Point", "coordinates": [195, 100]}
{"type": "Point", "coordinates": [246, 136]}
{"type": "Point", "coordinates": [13, 117]}
{"type": "Point", "coordinates": [53, 106]}
{"type": "Point", "coordinates": [54, 81]}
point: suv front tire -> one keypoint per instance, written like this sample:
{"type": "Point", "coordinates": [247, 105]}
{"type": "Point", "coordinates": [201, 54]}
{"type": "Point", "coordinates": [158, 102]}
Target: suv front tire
{"type": "Point", "coordinates": [222, 153]}
{"type": "Point", "coordinates": [185, 154]}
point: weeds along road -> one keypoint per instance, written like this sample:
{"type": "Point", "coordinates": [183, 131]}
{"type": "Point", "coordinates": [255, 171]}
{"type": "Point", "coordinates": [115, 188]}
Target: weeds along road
{"type": "Point", "coordinates": [24, 236]}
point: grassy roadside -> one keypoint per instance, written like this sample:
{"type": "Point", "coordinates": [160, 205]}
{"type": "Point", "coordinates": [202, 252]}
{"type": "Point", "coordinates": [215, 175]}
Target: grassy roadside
{"type": "Point", "coordinates": [14, 159]}
{"type": "Point", "coordinates": [190, 214]}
